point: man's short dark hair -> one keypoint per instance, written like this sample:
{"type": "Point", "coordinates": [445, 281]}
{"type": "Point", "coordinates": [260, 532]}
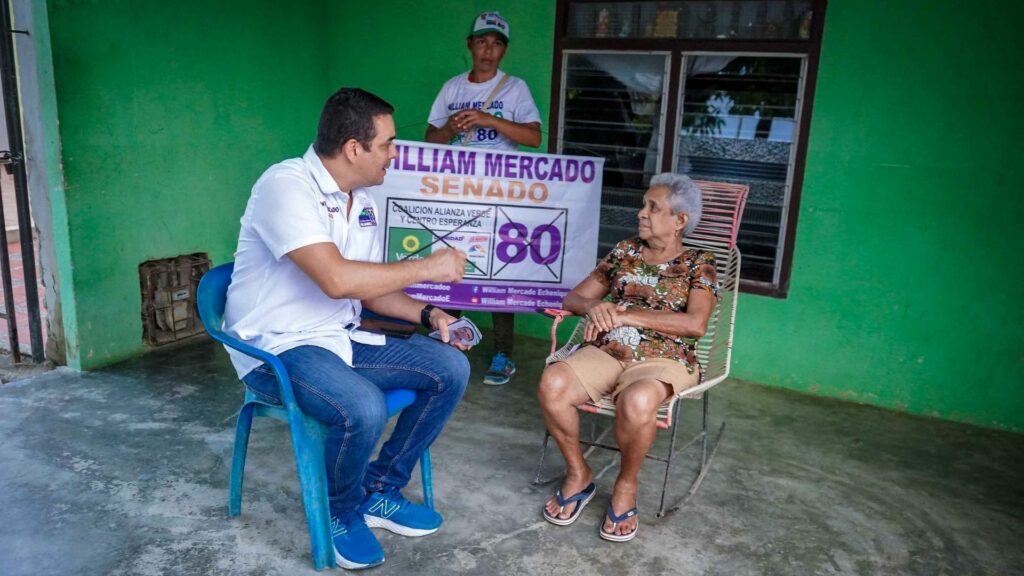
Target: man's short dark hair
{"type": "Point", "coordinates": [348, 114]}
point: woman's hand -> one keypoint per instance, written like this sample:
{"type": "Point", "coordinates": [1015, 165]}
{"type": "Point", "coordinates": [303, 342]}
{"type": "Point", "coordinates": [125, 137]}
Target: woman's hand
{"type": "Point", "coordinates": [591, 332]}
{"type": "Point", "coordinates": [587, 299]}
{"type": "Point", "coordinates": [603, 316]}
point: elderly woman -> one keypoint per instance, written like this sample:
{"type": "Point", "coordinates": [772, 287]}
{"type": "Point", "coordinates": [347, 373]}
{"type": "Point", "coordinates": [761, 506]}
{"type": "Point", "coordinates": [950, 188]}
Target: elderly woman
{"type": "Point", "coordinates": [640, 347]}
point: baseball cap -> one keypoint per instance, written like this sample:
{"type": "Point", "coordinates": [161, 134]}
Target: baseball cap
{"type": "Point", "coordinates": [489, 22]}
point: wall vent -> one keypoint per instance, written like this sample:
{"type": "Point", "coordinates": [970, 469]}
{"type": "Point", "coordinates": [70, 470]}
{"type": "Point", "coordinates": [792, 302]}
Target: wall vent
{"type": "Point", "coordinates": [169, 287]}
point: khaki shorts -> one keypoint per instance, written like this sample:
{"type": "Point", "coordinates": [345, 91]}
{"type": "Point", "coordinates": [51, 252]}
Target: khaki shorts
{"type": "Point", "coordinates": [601, 375]}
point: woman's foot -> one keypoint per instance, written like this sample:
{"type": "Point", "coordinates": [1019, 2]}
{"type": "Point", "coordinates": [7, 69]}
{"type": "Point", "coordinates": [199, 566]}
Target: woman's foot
{"type": "Point", "coordinates": [623, 500]}
{"type": "Point", "coordinates": [574, 483]}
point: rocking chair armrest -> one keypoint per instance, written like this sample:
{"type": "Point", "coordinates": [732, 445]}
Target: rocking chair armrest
{"type": "Point", "coordinates": [556, 315]}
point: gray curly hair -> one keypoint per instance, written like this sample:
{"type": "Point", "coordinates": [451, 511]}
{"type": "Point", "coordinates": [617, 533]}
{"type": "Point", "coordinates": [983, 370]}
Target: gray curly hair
{"type": "Point", "coordinates": [683, 196]}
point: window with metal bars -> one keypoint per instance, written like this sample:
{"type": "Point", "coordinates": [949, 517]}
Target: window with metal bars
{"type": "Point", "coordinates": [719, 90]}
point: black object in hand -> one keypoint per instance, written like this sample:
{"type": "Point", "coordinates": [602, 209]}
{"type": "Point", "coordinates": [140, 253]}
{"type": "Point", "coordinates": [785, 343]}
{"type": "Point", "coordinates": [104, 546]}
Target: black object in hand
{"type": "Point", "coordinates": [387, 327]}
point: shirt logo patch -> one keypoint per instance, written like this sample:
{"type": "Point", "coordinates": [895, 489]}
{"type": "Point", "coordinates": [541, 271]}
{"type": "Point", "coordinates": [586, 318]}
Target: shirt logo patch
{"type": "Point", "coordinates": [366, 217]}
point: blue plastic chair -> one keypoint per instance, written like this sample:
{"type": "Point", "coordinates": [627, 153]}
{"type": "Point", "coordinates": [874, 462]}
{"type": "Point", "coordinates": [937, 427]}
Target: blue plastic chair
{"type": "Point", "coordinates": [308, 434]}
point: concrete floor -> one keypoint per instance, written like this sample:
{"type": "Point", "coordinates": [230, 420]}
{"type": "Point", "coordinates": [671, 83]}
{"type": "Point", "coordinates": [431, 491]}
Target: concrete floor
{"type": "Point", "coordinates": [124, 471]}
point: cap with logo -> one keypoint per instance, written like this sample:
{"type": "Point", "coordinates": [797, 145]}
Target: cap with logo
{"type": "Point", "coordinates": [489, 22]}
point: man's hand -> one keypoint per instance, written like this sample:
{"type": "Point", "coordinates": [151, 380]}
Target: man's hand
{"type": "Point", "coordinates": [439, 320]}
{"type": "Point", "coordinates": [446, 265]}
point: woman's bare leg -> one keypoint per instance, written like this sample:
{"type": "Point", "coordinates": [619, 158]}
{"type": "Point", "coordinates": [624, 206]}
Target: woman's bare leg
{"type": "Point", "coordinates": [636, 411]}
{"type": "Point", "coordinates": [559, 394]}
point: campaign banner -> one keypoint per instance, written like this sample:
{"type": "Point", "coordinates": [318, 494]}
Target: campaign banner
{"type": "Point", "coordinates": [528, 222]}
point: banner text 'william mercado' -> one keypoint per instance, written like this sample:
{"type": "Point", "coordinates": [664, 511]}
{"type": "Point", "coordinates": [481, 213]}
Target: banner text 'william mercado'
{"type": "Point", "coordinates": [507, 176]}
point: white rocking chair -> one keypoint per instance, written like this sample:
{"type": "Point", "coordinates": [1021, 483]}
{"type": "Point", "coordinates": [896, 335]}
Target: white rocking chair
{"type": "Point", "coordinates": [722, 209]}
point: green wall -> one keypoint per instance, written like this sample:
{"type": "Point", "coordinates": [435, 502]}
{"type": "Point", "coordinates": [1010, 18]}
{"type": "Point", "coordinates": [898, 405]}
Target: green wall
{"type": "Point", "coordinates": [405, 51]}
{"type": "Point", "coordinates": [907, 272]}
{"type": "Point", "coordinates": [908, 245]}
{"type": "Point", "coordinates": [169, 111]}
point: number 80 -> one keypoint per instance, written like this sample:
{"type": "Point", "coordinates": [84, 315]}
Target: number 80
{"type": "Point", "coordinates": [514, 235]}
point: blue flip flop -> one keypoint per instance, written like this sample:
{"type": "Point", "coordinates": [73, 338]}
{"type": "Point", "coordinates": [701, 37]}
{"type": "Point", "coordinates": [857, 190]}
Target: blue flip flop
{"type": "Point", "coordinates": [581, 498]}
{"type": "Point", "coordinates": [616, 520]}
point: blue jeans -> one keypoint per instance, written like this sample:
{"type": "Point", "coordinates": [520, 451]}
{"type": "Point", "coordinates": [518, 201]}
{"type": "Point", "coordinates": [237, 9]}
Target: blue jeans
{"type": "Point", "coordinates": [349, 399]}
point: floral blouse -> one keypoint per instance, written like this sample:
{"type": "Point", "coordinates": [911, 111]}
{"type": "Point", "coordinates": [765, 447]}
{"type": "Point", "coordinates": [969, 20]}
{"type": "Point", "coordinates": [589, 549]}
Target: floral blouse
{"type": "Point", "coordinates": [640, 285]}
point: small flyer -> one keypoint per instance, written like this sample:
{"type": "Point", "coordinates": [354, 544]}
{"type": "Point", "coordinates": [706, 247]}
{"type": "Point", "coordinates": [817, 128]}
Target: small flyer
{"type": "Point", "coordinates": [461, 331]}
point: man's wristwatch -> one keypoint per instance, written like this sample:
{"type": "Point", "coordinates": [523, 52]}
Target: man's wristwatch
{"type": "Point", "coordinates": [425, 315]}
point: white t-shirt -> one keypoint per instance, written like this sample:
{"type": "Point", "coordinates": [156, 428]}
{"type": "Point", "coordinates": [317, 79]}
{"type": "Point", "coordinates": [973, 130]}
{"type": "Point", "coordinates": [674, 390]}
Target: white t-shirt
{"type": "Point", "coordinates": [513, 102]}
{"type": "Point", "coordinates": [272, 304]}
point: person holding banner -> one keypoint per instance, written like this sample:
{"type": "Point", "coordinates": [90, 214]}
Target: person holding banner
{"type": "Point", "coordinates": [640, 348]}
{"type": "Point", "coordinates": [308, 261]}
{"type": "Point", "coordinates": [488, 108]}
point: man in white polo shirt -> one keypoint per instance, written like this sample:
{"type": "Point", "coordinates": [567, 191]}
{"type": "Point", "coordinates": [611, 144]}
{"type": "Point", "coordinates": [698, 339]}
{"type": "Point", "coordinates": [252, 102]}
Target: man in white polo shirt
{"type": "Point", "coordinates": [308, 261]}
{"type": "Point", "coordinates": [487, 108]}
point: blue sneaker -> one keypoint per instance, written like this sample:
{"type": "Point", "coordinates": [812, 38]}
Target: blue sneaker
{"type": "Point", "coordinates": [391, 511]}
{"type": "Point", "coordinates": [355, 546]}
{"type": "Point", "coordinates": [501, 370]}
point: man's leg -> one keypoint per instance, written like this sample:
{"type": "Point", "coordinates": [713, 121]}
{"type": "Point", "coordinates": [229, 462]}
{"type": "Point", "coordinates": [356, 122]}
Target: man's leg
{"type": "Point", "coordinates": [559, 394]}
{"type": "Point", "coordinates": [636, 411]}
{"type": "Point", "coordinates": [354, 409]}
{"type": "Point", "coordinates": [439, 373]}
{"type": "Point", "coordinates": [502, 366]}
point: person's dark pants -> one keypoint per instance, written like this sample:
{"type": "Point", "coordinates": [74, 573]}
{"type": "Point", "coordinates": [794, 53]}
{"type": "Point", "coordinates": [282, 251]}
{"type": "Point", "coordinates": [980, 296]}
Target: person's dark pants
{"type": "Point", "coordinates": [504, 332]}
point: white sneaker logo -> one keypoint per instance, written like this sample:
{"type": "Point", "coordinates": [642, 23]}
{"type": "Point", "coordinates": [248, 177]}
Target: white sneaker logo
{"type": "Point", "coordinates": [384, 508]}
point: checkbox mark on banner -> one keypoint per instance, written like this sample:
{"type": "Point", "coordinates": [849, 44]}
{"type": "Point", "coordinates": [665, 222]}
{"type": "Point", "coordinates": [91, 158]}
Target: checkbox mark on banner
{"type": "Point", "coordinates": [513, 250]}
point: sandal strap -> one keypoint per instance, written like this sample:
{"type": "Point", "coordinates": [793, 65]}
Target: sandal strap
{"type": "Point", "coordinates": [582, 494]}
{"type": "Point", "coordinates": [624, 516]}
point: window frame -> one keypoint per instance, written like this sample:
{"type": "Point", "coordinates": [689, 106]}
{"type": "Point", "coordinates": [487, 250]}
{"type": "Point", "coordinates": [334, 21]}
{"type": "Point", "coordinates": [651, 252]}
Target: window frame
{"type": "Point", "coordinates": [678, 49]}
{"type": "Point", "coordinates": [666, 92]}
{"type": "Point", "coordinates": [790, 162]}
